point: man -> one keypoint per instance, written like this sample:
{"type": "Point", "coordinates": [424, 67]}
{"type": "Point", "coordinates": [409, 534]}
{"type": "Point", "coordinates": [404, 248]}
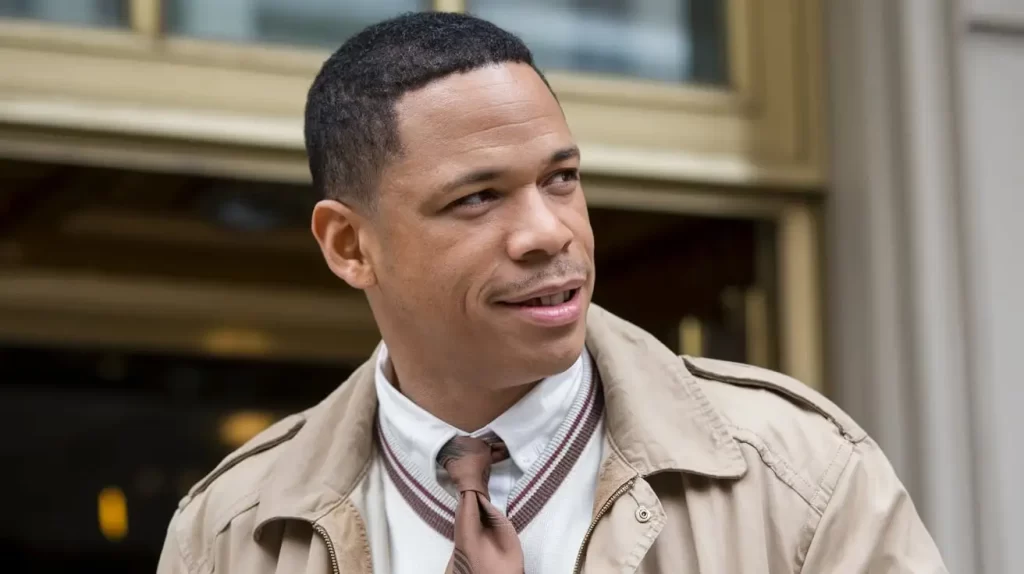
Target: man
{"type": "Point", "coordinates": [506, 424]}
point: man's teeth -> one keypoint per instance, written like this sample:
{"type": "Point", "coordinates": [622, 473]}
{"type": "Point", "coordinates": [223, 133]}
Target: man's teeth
{"type": "Point", "coordinates": [550, 300]}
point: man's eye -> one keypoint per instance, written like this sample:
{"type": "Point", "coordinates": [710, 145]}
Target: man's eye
{"type": "Point", "coordinates": [474, 199]}
{"type": "Point", "coordinates": [566, 176]}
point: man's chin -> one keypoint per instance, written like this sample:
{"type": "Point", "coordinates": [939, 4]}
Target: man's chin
{"type": "Point", "coordinates": [549, 355]}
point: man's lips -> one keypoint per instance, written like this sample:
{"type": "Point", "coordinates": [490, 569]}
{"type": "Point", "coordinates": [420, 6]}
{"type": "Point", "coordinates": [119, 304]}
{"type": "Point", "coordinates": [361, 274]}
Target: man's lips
{"type": "Point", "coordinates": [567, 289]}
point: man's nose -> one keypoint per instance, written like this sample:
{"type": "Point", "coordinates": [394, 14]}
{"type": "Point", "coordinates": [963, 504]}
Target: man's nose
{"type": "Point", "coordinates": [539, 231]}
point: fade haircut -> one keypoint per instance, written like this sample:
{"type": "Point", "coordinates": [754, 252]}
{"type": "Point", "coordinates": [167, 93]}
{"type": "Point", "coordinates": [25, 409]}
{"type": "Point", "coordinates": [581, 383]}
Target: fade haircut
{"type": "Point", "coordinates": [351, 127]}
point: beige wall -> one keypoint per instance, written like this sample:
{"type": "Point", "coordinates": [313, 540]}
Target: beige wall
{"type": "Point", "coordinates": [926, 256]}
{"type": "Point", "coordinates": [993, 202]}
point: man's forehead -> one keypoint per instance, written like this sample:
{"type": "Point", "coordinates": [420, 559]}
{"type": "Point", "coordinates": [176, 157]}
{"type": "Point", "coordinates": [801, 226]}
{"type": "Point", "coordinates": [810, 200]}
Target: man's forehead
{"type": "Point", "coordinates": [493, 97]}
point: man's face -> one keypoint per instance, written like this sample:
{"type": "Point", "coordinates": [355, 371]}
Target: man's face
{"type": "Point", "coordinates": [482, 248]}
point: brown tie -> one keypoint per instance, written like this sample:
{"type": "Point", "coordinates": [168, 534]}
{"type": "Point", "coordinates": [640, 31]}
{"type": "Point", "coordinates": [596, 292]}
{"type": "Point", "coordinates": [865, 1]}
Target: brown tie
{"type": "Point", "coordinates": [485, 540]}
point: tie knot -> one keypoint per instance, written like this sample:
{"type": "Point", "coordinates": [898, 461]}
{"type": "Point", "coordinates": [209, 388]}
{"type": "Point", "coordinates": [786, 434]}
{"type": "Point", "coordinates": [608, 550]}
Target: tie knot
{"type": "Point", "coordinates": [468, 461]}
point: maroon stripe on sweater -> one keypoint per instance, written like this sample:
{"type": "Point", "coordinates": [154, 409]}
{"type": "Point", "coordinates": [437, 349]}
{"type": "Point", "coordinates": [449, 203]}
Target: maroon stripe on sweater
{"type": "Point", "coordinates": [580, 416]}
{"type": "Point", "coordinates": [532, 506]}
{"type": "Point", "coordinates": [419, 487]}
{"type": "Point", "coordinates": [525, 507]}
{"type": "Point", "coordinates": [440, 524]}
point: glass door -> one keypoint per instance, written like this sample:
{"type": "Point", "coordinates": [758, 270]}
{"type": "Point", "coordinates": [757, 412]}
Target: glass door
{"type": "Point", "coordinates": [678, 41]}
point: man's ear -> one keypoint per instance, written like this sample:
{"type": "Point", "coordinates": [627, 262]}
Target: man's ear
{"type": "Point", "coordinates": [337, 229]}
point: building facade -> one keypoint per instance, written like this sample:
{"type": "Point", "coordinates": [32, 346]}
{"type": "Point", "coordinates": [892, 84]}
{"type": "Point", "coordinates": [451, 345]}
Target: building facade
{"type": "Point", "coordinates": [922, 265]}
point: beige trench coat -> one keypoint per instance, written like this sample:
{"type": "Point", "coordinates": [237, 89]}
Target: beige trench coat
{"type": "Point", "coordinates": [709, 467]}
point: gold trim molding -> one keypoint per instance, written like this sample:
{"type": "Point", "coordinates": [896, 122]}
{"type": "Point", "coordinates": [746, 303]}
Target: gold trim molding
{"type": "Point", "coordinates": [751, 133]}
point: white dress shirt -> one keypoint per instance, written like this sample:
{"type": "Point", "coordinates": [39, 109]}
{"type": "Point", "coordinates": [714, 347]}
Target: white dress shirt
{"type": "Point", "coordinates": [538, 430]}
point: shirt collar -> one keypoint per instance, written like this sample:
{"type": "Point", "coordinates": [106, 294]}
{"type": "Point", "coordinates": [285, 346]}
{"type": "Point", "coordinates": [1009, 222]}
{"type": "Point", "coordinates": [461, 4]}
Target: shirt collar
{"type": "Point", "coordinates": [526, 428]}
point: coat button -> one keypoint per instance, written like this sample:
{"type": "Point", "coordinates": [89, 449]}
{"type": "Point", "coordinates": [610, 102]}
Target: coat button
{"type": "Point", "coordinates": [643, 515]}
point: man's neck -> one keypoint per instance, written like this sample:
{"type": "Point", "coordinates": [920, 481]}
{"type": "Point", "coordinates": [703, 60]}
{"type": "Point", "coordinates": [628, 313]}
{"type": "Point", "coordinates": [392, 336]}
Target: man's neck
{"type": "Point", "coordinates": [467, 406]}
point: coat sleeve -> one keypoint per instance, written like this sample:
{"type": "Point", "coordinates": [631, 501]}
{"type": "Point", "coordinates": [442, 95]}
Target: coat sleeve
{"type": "Point", "coordinates": [171, 561]}
{"type": "Point", "coordinates": [870, 524]}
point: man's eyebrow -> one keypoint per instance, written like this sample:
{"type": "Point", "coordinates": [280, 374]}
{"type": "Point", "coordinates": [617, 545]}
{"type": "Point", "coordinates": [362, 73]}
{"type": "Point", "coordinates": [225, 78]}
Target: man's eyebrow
{"type": "Point", "coordinates": [571, 152]}
{"type": "Point", "coordinates": [486, 175]}
{"type": "Point", "coordinates": [478, 176]}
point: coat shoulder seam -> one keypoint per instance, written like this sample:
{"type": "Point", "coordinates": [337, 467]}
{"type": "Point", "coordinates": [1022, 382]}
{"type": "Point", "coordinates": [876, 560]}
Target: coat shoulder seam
{"type": "Point", "coordinates": [748, 376]}
{"type": "Point", "coordinates": [779, 466]}
{"type": "Point", "coordinates": [824, 496]}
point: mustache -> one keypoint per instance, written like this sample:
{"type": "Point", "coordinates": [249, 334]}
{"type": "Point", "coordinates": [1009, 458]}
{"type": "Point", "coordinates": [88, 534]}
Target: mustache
{"type": "Point", "coordinates": [563, 269]}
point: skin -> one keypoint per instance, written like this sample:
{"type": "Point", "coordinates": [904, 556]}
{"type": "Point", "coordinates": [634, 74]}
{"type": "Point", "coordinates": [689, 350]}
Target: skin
{"type": "Point", "coordinates": [483, 205]}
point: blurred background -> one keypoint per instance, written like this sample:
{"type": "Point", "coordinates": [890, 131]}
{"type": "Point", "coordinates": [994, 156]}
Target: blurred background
{"type": "Point", "coordinates": [829, 188]}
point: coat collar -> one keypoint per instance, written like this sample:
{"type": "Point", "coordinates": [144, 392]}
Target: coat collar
{"type": "Point", "coordinates": [656, 416]}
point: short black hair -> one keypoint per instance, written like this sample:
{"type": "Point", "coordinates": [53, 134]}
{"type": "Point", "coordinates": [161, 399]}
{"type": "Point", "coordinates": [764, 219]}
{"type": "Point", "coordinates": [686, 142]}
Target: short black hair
{"type": "Point", "coordinates": [350, 123]}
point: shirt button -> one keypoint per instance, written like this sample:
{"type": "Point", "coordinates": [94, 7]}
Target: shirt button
{"type": "Point", "coordinates": [643, 515]}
